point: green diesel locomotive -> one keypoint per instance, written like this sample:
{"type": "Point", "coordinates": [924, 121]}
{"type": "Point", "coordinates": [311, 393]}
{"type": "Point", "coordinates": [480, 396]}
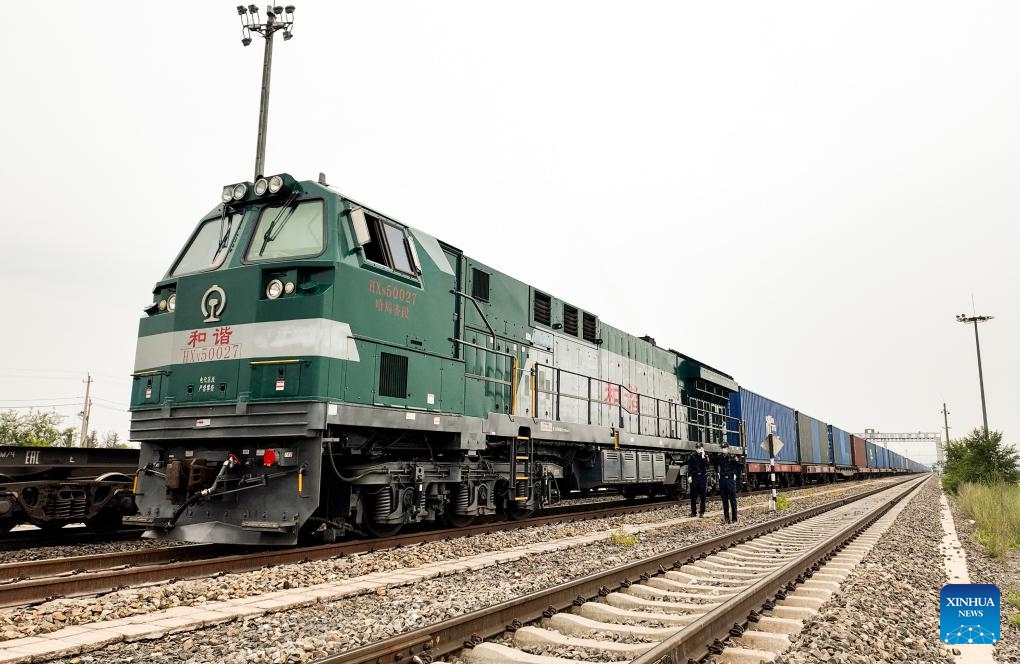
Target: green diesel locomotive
{"type": "Point", "coordinates": [311, 366]}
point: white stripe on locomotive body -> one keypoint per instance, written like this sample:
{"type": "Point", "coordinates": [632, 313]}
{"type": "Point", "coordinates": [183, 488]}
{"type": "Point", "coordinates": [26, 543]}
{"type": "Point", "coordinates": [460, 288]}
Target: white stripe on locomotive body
{"type": "Point", "coordinates": [319, 337]}
{"type": "Point", "coordinates": [572, 355]}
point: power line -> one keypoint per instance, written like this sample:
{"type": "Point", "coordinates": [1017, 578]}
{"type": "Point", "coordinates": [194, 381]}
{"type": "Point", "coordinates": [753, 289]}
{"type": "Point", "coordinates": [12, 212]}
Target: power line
{"type": "Point", "coordinates": [42, 405]}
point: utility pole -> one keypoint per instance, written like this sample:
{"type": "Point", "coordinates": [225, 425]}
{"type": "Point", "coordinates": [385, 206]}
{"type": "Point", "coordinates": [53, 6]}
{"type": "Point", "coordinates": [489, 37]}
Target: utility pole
{"type": "Point", "coordinates": [86, 411]}
{"type": "Point", "coordinates": [945, 418]}
{"type": "Point", "coordinates": [964, 318]}
{"type": "Point", "coordinates": [277, 18]}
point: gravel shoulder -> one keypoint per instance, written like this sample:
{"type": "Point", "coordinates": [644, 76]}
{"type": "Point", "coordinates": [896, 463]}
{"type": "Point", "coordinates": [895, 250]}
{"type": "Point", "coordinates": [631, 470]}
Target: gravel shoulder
{"type": "Point", "coordinates": [1004, 572]}
{"type": "Point", "coordinates": [888, 608]}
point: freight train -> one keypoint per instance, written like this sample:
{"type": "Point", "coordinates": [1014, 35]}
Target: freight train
{"type": "Point", "coordinates": [50, 487]}
{"type": "Point", "coordinates": [312, 366]}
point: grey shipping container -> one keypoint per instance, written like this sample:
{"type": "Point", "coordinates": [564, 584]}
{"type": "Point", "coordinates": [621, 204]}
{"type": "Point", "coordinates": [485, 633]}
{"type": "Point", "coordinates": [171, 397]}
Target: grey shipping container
{"type": "Point", "coordinates": [840, 446]}
{"type": "Point", "coordinates": [813, 439]}
{"type": "Point", "coordinates": [753, 409]}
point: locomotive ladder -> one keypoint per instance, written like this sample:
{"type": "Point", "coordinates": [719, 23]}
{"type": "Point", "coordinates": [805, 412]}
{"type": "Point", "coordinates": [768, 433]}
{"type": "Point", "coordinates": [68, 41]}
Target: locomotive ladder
{"type": "Point", "coordinates": [522, 453]}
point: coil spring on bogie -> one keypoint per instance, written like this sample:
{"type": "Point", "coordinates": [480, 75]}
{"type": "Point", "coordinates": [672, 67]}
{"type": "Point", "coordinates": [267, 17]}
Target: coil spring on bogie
{"type": "Point", "coordinates": [421, 502]}
{"type": "Point", "coordinates": [463, 499]}
{"type": "Point", "coordinates": [66, 504]}
{"type": "Point", "coordinates": [522, 489]}
{"type": "Point", "coordinates": [383, 505]}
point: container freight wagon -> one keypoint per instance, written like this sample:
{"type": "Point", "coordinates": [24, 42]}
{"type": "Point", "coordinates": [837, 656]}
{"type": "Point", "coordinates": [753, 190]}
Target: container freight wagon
{"type": "Point", "coordinates": [839, 442]}
{"type": "Point", "coordinates": [859, 454]}
{"type": "Point", "coordinates": [756, 411]}
{"type": "Point", "coordinates": [815, 456]}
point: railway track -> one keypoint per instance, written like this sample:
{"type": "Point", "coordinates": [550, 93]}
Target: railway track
{"type": "Point", "coordinates": [67, 536]}
{"type": "Point", "coordinates": [43, 580]}
{"type": "Point", "coordinates": [735, 597]}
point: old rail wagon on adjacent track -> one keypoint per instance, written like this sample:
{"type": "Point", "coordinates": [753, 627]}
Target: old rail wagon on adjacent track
{"type": "Point", "coordinates": [51, 487]}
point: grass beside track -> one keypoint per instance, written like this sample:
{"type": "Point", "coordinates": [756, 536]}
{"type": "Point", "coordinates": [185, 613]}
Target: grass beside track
{"type": "Point", "coordinates": [995, 509]}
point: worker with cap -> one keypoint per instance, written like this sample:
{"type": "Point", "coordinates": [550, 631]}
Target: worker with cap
{"type": "Point", "coordinates": [729, 472]}
{"type": "Point", "coordinates": [697, 474]}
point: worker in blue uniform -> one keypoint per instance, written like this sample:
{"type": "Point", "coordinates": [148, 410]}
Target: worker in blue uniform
{"type": "Point", "coordinates": [729, 473]}
{"type": "Point", "coordinates": [697, 474]}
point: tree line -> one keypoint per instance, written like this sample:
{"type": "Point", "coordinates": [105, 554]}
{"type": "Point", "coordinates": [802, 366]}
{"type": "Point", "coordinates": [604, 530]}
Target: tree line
{"type": "Point", "coordinates": [44, 429]}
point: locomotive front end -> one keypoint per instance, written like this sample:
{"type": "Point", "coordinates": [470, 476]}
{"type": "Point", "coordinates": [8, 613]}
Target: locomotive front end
{"type": "Point", "coordinates": [231, 370]}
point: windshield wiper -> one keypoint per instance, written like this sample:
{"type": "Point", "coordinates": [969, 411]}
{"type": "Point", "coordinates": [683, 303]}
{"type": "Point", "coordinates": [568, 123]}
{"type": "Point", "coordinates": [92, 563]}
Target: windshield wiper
{"type": "Point", "coordinates": [225, 226]}
{"type": "Point", "coordinates": [269, 236]}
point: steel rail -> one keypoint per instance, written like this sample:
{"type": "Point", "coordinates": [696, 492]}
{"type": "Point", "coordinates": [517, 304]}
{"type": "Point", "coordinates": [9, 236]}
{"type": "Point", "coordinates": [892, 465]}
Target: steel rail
{"type": "Point", "coordinates": [167, 564]}
{"type": "Point", "coordinates": [163, 567]}
{"type": "Point", "coordinates": [693, 642]}
{"type": "Point", "coordinates": [29, 569]}
{"type": "Point", "coordinates": [448, 636]}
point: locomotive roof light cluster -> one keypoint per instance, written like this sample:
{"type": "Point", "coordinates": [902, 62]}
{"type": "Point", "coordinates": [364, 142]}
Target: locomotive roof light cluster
{"type": "Point", "coordinates": [273, 185]}
{"type": "Point", "coordinates": [234, 192]}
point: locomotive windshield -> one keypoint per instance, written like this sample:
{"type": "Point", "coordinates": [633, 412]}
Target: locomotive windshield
{"type": "Point", "coordinates": [209, 246]}
{"type": "Point", "coordinates": [292, 230]}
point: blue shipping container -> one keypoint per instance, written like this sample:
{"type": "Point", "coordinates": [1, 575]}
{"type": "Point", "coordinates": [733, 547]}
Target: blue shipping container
{"type": "Point", "coordinates": [753, 408]}
{"type": "Point", "coordinates": [872, 454]}
{"type": "Point", "coordinates": [840, 441]}
{"type": "Point", "coordinates": [813, 439]}
{"type": "Point", "coordinates": [883, 457]}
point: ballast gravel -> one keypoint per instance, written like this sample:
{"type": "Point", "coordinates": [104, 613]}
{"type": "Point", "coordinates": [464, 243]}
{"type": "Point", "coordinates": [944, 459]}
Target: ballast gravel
{"type": "Point", "coordinates": [29, 554]}
{"type": "Point", "coordinates": [888, 608]}
{"type": "Point", "coordinates": [310, 633]}
{"type": "Point", "coordinates": [1003, 572]}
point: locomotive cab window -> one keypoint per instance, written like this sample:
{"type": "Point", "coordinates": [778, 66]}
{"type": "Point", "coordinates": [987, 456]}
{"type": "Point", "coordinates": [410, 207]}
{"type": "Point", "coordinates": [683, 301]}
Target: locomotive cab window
{"type": "Point", "coordinates": [384, 242]}
{"type": "Point", "coordinates": [209, 245]}
{"type": "Point", "coordinates": [297, 230]}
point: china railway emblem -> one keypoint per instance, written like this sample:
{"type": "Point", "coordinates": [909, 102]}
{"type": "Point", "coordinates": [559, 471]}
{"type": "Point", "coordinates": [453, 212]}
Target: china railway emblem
{"type": "Point", "coordinates": [213, 303]}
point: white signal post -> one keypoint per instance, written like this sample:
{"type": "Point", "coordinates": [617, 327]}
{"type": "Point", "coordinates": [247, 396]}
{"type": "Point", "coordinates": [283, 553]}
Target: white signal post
{"type": "Point", "coordinates": [773, 445]}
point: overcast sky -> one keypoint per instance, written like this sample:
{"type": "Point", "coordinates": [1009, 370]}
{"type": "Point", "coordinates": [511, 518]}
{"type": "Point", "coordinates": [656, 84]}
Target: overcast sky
{"type": "Point", "coordinates": [803, 195]}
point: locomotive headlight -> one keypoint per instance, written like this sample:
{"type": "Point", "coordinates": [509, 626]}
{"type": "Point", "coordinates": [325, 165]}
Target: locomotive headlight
{"type": "Point", "coordinates": [162, 305]}
{"type": "Point", "coordinates": [288, 287]}
{"type": "Point", "coordinates": [239, 191]}
{"type": "Point", "coordinates": [274, 289]}
{"type": "Point", "coordinates": [171, 302]}
{"type": "Point", "coordinates": [228, 194]}
{"type": "Point", "coordinates": [275, 184]}
{"type": "Point", "coordinates": [261, 185]}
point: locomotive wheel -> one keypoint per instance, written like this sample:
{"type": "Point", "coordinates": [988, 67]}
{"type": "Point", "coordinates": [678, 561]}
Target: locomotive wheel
{"type": "Point", "coordinates": [519, 513]}
{"type": "Point", "coordinates": [459, 520]}
{"type": "Point", "coordinates": [382, 529]}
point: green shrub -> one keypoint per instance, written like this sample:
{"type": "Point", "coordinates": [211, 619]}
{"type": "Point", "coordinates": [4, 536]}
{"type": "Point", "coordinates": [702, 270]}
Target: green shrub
{"type": "Point", "coordinates": [623, 538]}
{"type": "Point", "coordinates": [981, 457]}
{"type": "Point", "coordinates": [1014, 621]}
{"type": "Point", "coordinates": [783, 503]}
{"type": "Point", "coordinates": [996, 513]}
